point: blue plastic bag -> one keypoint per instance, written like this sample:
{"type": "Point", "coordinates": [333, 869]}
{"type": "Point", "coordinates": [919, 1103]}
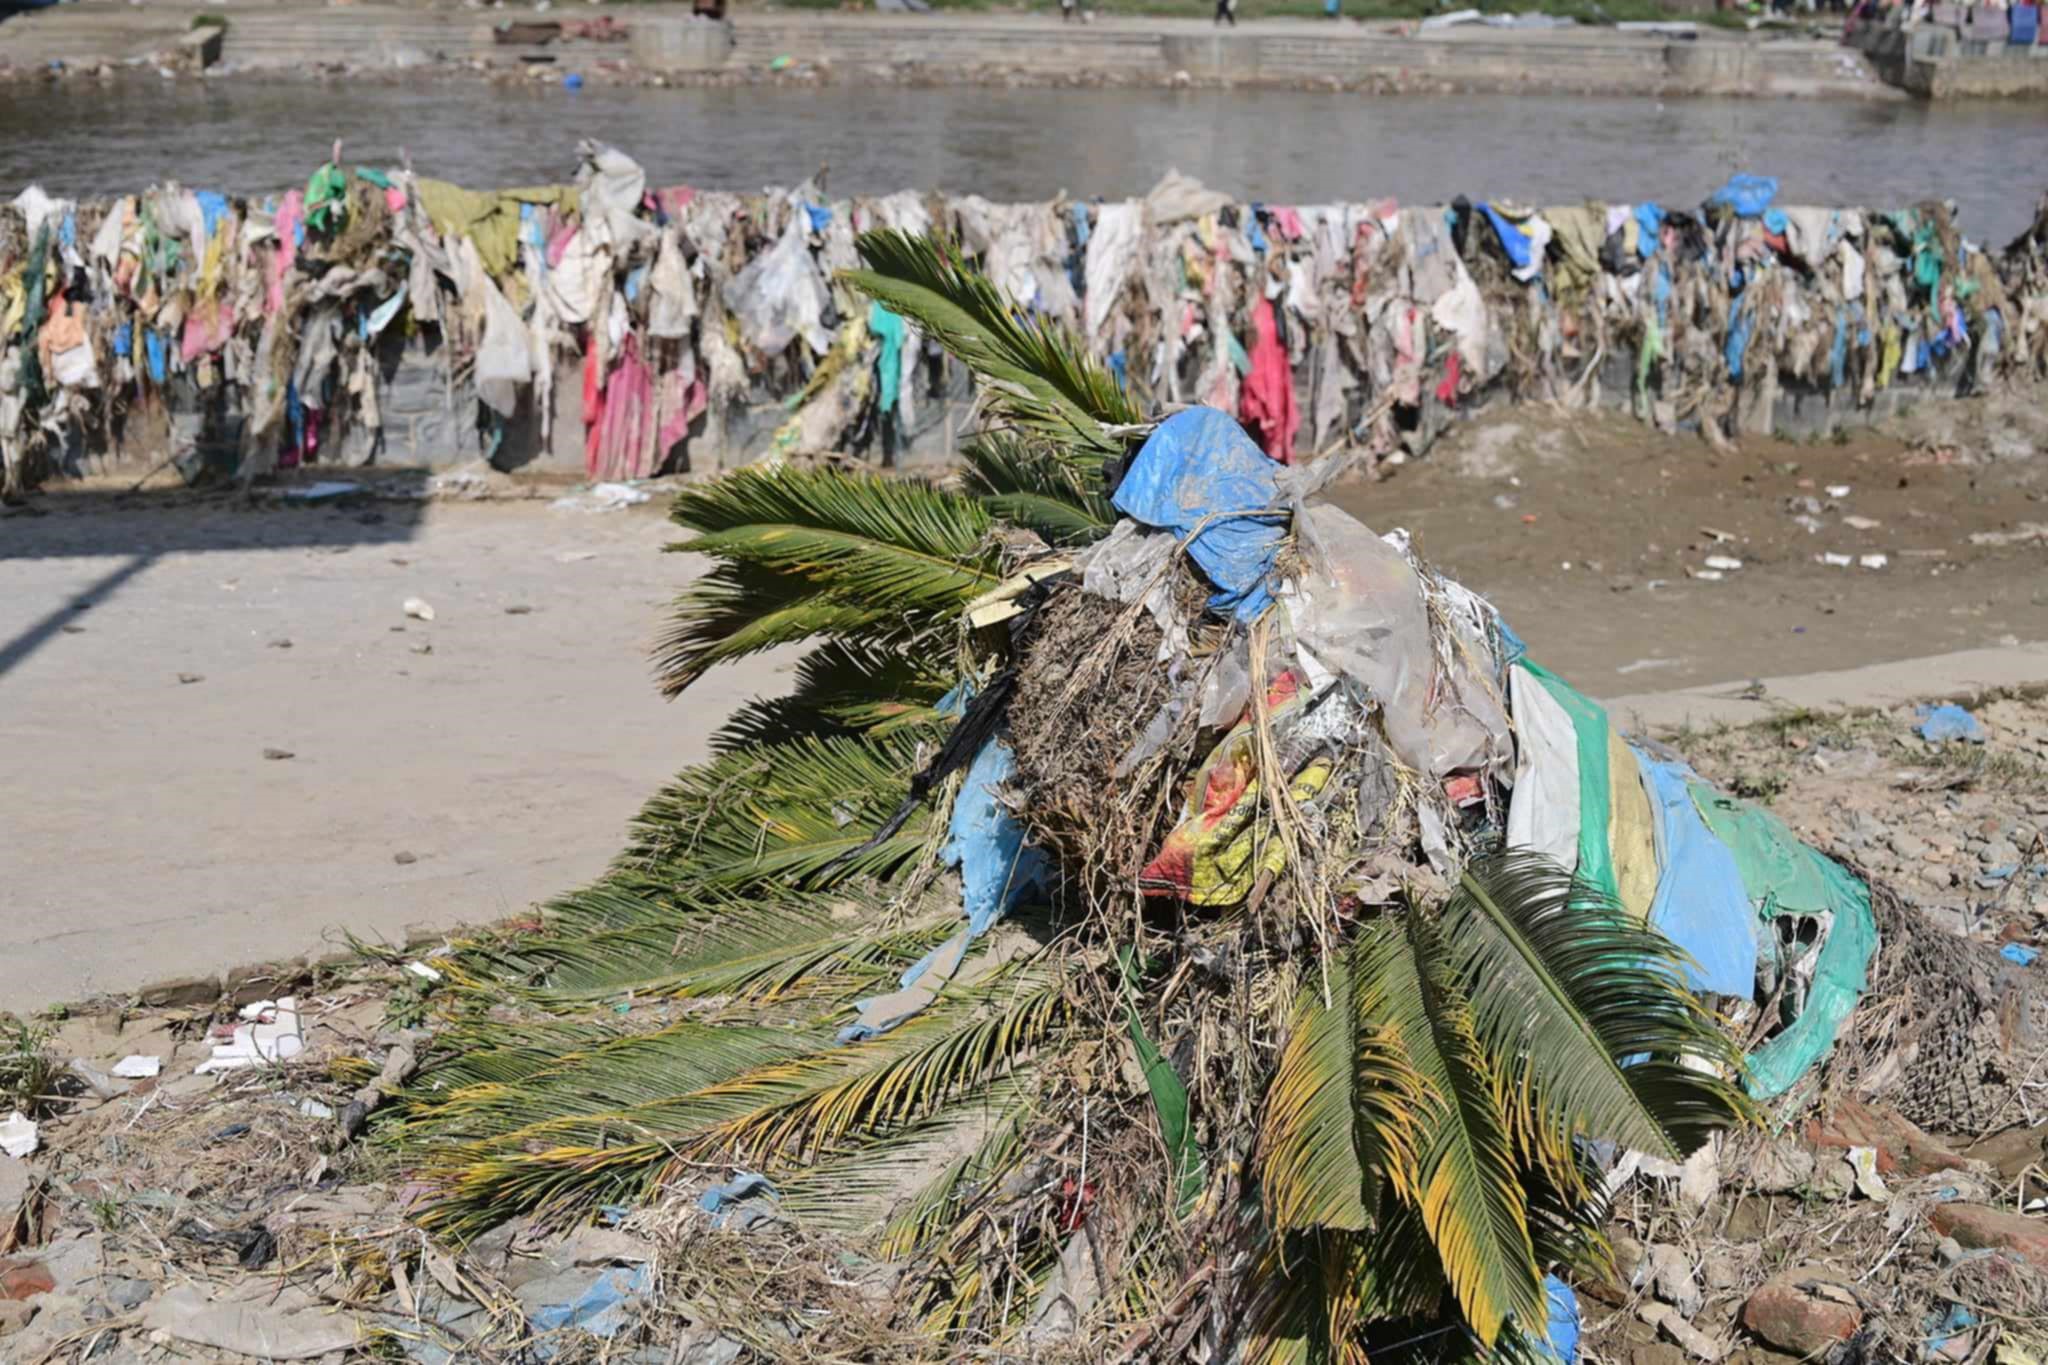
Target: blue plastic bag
{"type": "Point", "coordinates": [1749, 195]}
{"type": "Point", "coordinates": [1513, 240]}
{"type": "Point", "coordinates": [1200, 464]}
{"type": "Point", "coordinates": [1561, 1339]}
{"type": "Point", "coordinates": [1948, 721]}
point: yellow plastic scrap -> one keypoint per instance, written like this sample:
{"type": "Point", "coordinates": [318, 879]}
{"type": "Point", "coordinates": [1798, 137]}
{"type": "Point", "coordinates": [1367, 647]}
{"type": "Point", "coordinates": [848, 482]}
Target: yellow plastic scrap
{"type": "Point", "coordinates": [1631, 835]}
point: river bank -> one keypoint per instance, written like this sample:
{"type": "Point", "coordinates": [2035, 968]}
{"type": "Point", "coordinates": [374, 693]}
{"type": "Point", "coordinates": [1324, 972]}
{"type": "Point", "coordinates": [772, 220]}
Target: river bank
{"type": "Point", "coordinates": [652, 46]}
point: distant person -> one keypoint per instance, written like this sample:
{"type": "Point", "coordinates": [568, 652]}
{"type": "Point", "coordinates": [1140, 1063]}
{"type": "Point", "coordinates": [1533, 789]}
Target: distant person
{"type": "Point", "coordinates": [1069, 10]}
{"type": "Point", "coordinates": [1226, 12]}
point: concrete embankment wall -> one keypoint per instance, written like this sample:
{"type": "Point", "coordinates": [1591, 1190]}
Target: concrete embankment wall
{"type": "Point", "coordinates": [972, 47]}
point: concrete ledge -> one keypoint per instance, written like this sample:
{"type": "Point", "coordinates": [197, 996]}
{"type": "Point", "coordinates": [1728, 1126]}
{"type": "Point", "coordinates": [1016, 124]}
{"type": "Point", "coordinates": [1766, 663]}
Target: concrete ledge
{"type": "Point", "coordinates": [1963, 674]}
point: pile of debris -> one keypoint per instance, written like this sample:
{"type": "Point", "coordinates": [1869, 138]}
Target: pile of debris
{"type": "Point", "coordinates": [288, 329]}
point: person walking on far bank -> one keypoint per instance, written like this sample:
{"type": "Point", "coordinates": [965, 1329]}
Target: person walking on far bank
{"type": "Point", "coordinates": [1069, 10]}
{"type": "Point", "coordinates": [1226, 12]}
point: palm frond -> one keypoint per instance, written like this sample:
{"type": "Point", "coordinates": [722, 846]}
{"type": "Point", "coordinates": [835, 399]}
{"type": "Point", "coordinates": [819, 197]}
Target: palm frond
{"type": "Point", "coordinates": [1038, 376]}
{"type": "Point", "coordinates": [744, 948]}
{"type": "Point", "coordinates": [842, 686]}
{"type": "Point", "coordinates": [1339, 1113]}
{"type": "Point", "coordinates": [1588, 1008]}
{"type": "Point", "coordinates": [864, 536]}
{"type": "Point", "coordinates": [563, 1143]}
{"type": "Point", "coordinates": [1465, 1184]}
{"type": "Point", "coordinates": [940, 1206]}
{"type": "Point", "coordinates": [880, 1184]}
{"type": "Point", "coordinates": [740, 609]}
{"type": "Point", "coordinates": [819, 552]}
{"type": "Point", "coordinates": [1023, 484]}
{"type": "Point", "coordinates": [778, 812]}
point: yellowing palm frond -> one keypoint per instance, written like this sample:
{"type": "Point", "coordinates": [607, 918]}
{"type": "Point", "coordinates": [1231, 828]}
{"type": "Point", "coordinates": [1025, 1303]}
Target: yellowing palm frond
{"type": "Point", "coordinates": [1465, 1185]}
{"type": "Point", "coordinates": [1339, 1113]}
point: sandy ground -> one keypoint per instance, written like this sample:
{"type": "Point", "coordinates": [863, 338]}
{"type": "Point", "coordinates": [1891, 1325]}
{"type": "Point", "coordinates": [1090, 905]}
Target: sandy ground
{"type": "Point", "coordinates": [147, 836]}
{"type": "Point", "coordinates": [1587, 532]}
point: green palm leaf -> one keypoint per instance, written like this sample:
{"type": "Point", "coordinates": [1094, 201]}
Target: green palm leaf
{"type": "Point", "coordinates": [1572, 988]}
{"type": "Point", "coordinates": [1038, 377]}
{"type": "Point", "coordinates": [866, 537]}
{"type": "Point", "coordinates": [843, 686]}
{"type": "Point", "coordinates": [740, 609]}
{"type": "Point", "coordinates": [1465, 1183]}
{"type": "Point", "coordinates": [778, 812]}
{"type": "Point", "coordinates": [820, 552]}
{"type": "Point", "coordinates": [1022, 484]}
{"type": "Point", "coordinates": [746, 948]}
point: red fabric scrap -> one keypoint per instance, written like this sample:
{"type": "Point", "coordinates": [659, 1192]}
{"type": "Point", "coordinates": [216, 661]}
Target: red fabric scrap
{"type": "Point", "coordinates": [1268, 402]}
{"type": "Point", "coordinates": [1447, 391]}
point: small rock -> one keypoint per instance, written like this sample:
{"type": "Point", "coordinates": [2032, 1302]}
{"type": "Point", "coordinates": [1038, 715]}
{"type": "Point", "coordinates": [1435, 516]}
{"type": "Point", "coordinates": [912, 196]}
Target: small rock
{"type": "Point", "coordinates": [1805, 1310]}
{"type": "Point", "coordinates": [1719, 1273]}
{"type": "Point", "coordinates": [1697, 1344]}
{"type": "Point", "coordinates": [1908, 846]}
{"type": "Point", "coordinates": [1671, 1279]}
{"type": "Point", "coordinates": [22, 1278]}
{"type": "Point", "coordinates": [278, 755]}
{"type": "Point", "coordinates": [127, 1295]}
{"type": "Point", "coordinates": [1979, 1227]}
{"type": "Point", "coordinates": [404, 859]}
{"type": "Point", "coordinates": [2011, 1151]}
{"type": "Point", "coordinates": [1783, 1167]}
{"type": "Point", "coordinates": [187, 679]}
{"type": "Point", "coordinates": [519, 609]}
{"type": "Point", "coordinates": [15, 1315]}
{"type": "Point", "coordinates": [423, 649]}
{"type": "Point", "coordinates": [1631, 1259]}
{"type": "Point", "coordinates": [419, 609]}
{"type": "Point", "coordinates": [1999, 853]}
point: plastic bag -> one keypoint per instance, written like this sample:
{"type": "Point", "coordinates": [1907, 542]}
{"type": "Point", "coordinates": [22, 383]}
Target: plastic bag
{"type": "Point", "coordinates": [779, 296]}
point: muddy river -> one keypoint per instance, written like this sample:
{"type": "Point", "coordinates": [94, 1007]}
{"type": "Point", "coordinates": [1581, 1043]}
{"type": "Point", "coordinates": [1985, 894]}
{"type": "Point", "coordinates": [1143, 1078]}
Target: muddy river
{"type": "Point", "coordinates": [249, 135]}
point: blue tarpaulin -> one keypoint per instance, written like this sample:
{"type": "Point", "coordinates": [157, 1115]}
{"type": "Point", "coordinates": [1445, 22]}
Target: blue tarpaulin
{"type": "Point", "coordinates": [996, 869]}
{"type": "Point", "coordinates": [987, 842]}
{"type": "Point", "coordinates": [600, 1310]}
{"type": "Point", "coordinates": [1700, 903]}
{"type": "Point", "coordinates": [1200, 472]}
{"type": "Point", "coordinates": [724, 1202]}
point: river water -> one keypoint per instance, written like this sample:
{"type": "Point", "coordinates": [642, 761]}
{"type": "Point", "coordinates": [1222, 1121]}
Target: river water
{"type": "Point", "coordinates": [250, 135]}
